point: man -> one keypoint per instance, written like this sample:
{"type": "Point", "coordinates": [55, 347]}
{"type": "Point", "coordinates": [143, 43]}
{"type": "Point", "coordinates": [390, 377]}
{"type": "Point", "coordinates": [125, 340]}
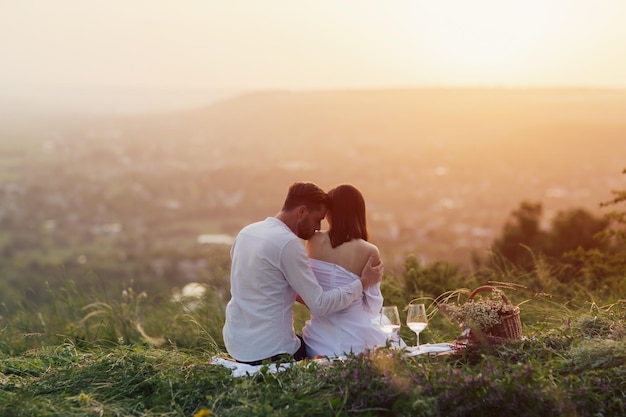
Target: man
{"type": "Point", "coordinates": [269, 269]}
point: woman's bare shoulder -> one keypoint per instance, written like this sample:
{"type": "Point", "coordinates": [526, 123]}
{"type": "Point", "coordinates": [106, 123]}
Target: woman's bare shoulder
{"type": "Point", "coordinates": [317, 236]}
{"type": "Point", "coordinates": [368, 249]}
{"type": "Point", "coordinates": [368, 246]}
{"type": "Point", "coordinates": [316, 242]}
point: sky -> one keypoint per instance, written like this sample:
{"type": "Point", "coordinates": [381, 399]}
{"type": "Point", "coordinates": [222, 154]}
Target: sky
{"type": "Point", "coordinates": [234, 45]}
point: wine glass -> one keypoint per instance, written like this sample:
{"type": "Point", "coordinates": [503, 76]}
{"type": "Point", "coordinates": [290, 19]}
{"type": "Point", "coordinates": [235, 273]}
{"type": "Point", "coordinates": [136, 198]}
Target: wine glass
{"type": "Point", "coordinates": [417, 320]}
{"type": "Point", "coordinates": [389, 320]}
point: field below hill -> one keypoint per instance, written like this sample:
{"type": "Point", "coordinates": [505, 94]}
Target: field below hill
{"type": "Point", "coordinates": [441, 169]}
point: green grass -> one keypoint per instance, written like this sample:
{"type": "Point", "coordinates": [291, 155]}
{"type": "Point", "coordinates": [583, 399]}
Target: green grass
{"type": "Point", "coordinates": [136, 354]}
{"type": "Point", "coordinates": [539, 376]}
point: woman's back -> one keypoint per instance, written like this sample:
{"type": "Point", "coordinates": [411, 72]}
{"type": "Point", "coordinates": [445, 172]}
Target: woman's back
{"type": "Point", "coordinates": [351, 255]}
{"type": "Point", "coordinates": [354, 328]}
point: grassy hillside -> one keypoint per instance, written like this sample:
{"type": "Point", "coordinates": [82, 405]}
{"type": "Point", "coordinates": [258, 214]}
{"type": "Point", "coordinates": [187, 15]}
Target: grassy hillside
{"type": "Point", "coordinates": [138, 355]}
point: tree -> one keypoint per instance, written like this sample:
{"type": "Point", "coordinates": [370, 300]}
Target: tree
{"type": "Point", "coordinates": [573, 229]}
{"type": "Point", "coordinates": [605, 268]}
{"type": "Point", "coordinates": [616, 234]}
{"type": "Point", "coordinates": [522, 236]}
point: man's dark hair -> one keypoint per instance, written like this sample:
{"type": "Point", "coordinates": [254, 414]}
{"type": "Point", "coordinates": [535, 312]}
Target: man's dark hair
{"type": "Point", "coordinates": [307, 193]}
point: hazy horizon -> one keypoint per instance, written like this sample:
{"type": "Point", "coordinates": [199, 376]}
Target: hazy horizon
{"type": "Point", "coordinates": [94, 99]}
{"type": "Point", "coordinates": [121, 56]}
{"type": "Point", "coordinates": [63, 100]}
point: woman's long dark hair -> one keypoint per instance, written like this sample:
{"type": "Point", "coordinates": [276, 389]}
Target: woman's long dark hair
{"type": "Point", "coordinates": [347, 215]}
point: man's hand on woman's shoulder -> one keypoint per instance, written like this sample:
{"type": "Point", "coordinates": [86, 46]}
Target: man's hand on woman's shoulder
{"type": "Point", "coordinates": [372, 275]}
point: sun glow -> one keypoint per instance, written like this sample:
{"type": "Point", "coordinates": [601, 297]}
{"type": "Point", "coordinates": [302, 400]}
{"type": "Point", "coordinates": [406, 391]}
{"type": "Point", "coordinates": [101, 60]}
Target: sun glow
{"type": "Point", "coordinates": [309, 44]}
{"type": "Point", "coordinates": [486, 38]}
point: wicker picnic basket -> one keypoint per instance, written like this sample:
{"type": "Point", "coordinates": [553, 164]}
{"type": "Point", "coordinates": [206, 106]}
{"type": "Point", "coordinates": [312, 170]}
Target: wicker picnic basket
{"type": "Point", "coordinates": [486, 321]}
{"type": "Point", "coordinates": [510, 326]}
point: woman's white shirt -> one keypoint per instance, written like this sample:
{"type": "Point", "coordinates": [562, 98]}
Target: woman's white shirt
{"type": "Point", "coordinates": [352, 329]}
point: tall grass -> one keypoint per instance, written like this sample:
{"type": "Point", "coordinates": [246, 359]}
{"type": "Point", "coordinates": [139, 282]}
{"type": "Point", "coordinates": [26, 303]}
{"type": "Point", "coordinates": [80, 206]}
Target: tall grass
{"type": "Point", "coordinates": [124, 318]}
{"type": "Point", "coordinates": [130, 353]}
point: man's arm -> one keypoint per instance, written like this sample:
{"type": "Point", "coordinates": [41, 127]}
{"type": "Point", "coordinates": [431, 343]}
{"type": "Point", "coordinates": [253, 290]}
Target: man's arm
{"type": "Point", "coordinates": [297, 269]}
{"type": "Point", "coordinates": [372, 275]}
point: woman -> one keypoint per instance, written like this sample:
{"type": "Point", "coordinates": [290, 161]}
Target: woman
{"type": "Point", "coordinates": [337, 257]}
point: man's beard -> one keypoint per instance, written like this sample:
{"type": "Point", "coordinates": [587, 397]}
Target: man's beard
{"type": "Point", "coordinates": [303, 231]}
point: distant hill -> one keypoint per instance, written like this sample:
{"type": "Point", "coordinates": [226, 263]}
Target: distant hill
{"type": "Point", "coordinates": [76, 100]}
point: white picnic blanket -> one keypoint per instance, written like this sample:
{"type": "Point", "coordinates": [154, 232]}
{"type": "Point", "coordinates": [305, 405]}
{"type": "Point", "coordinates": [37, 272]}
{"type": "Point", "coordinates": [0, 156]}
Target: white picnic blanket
{"type": "Point", "coordinates": [242, 369]}
{"type": "Point", "coordinates": [430, 349]}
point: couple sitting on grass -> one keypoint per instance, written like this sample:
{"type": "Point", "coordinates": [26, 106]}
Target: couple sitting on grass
{"type": "Point", "coordinates": [337, 276]}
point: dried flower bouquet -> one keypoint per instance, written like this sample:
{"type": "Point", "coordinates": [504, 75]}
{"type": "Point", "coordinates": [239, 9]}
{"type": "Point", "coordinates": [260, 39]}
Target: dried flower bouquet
{"type": "Point", "coordinates": [489, 316]}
